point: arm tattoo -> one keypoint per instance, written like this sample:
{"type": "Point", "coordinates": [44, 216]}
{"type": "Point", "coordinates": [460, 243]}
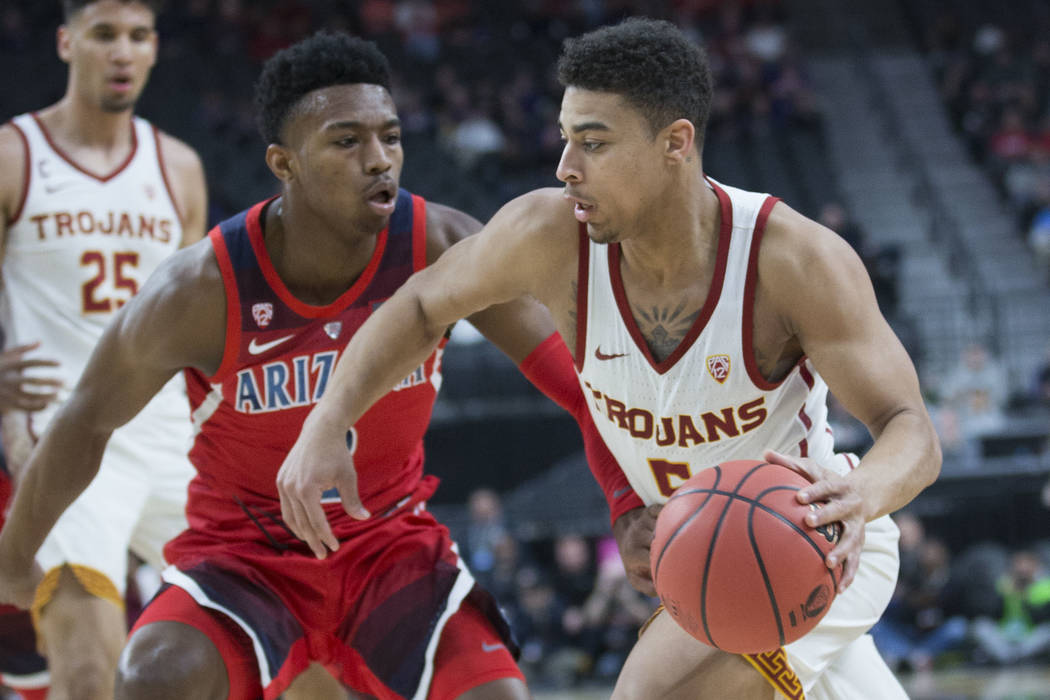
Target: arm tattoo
{"type": "Point", "coordinates": [664, 329]}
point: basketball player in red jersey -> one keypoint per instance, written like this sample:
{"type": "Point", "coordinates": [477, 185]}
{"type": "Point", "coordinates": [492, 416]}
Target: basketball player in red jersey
{"type": "Point", "coordinates": [705, 321]}
{"type": "Point", "coordinates": [258, 315]}
{"type": "Point", "coordinates": [91, 198]}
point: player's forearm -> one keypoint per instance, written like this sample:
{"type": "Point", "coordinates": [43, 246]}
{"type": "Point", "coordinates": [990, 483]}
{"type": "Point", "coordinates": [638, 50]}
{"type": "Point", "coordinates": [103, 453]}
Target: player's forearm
{"type": "Point", "coordinates": [60, 468]}
{"type": "Point", "coordinates": [395, 340]}
{"type": "Point", "coordinates": [905, 459]}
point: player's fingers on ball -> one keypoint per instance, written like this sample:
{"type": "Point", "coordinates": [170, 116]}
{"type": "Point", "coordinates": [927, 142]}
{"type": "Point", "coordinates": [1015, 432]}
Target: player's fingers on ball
{"type": "Point", "coordinates": [784, 460]}
{"type": "Point", "coordinates": [849, 571]}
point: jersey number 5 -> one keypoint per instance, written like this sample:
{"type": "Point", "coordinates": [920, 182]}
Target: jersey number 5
{"type": "Point", "coordinates": [93, 301]}
{"type": "Point", "coordinates": [664, 470]}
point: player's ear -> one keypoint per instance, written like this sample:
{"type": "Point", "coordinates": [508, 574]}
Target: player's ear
{"type": "Point", "coordinates": [280, 161]}
{"type": "Point", "coordinates": [63, 43]}
{"type": "Point", "coordinates": [679, 137]}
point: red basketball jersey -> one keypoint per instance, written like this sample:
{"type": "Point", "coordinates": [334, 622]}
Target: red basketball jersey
{"type": "Point", "coordinates": [279, 355]}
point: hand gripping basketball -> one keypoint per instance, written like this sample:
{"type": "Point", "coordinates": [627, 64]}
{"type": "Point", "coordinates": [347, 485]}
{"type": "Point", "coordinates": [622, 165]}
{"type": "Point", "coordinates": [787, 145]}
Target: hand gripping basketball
{"type": "Point", "coordinates": [734, 561]}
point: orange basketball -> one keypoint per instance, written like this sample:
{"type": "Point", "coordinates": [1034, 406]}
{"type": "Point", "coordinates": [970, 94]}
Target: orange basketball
{"type": "Point", "coordinates": [734, 563]}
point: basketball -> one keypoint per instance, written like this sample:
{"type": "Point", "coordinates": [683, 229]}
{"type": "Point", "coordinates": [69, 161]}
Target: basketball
{"type": "Point", "coordinates": [734, 563]}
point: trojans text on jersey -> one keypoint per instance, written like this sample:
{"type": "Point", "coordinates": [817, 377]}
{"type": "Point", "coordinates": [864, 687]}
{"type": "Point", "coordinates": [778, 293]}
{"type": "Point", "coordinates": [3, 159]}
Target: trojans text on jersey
{"type": "Point", "coordinates": [684, 430]}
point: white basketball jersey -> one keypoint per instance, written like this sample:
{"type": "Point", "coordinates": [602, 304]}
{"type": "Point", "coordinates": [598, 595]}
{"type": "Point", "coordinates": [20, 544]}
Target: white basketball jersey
{"type": "Point", "coordinates": [80, 246]}
{"type": "Point", "coordinates": [707, 402]}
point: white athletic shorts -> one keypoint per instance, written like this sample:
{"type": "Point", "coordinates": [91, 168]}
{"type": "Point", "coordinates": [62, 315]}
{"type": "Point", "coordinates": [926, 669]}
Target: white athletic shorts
{"type": "Point", "coordinates": [837, 659]}
{"type": "Point", "coordinates": [137, 501]}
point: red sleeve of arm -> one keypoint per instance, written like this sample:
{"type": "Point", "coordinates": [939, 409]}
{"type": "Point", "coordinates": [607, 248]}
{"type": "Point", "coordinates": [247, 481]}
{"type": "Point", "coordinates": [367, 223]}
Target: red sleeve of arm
{"type": "Point", "coordinates": [550, 368]}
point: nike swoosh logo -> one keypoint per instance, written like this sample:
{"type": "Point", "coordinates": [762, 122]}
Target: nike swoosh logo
{"type": "Point", "coordinates": [485, 646]}
{"type": "Point", "coordinates": [51, 189]}
{"type": "Point", "coordinates": [258, 348]}
{"type": "Point", "coordinates": [619, 492]}
{"type": "Point", "coordinates": [602, 356]}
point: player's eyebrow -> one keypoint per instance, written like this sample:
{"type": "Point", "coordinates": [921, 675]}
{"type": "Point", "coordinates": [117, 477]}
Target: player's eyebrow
{"type": "Point", "coordinates": [353, 124]}
{"type": "Point", "coordinates": [587, 126]}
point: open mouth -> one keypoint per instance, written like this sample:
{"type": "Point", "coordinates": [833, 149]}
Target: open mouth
{"type": "Point", "coordinates": [583, 212]}
{"type": "Point", "coordinates": [382, 199]}
{"type": "Point", "coordinates": [121, 84]}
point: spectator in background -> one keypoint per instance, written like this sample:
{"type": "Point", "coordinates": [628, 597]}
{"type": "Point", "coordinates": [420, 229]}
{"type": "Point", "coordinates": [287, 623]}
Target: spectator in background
{"type": "Point", "coordinates": [974, 397]}
{"type": "Point", "coordinates": [536, 618]}
{"type": "Point", "coordinates": [919, 624]}
{"type": "Point", "coordinates": [1022, 630]}
{"type": "Point", "coordinates": [1041, 383]}
{"type": "Point", "coordinates": [485, 531]}
{"type": "Point", "coordinates": [1039, 229]}
{"type": "Point", "coordinates": [613, 613]}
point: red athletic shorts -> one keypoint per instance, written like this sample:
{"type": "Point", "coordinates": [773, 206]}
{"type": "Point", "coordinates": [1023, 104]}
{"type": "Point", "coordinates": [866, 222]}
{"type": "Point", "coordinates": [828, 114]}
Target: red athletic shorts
{"type": "Point", "coordinates": [373, 612]}
{"type": "Point", "coordinates": [21, 667]}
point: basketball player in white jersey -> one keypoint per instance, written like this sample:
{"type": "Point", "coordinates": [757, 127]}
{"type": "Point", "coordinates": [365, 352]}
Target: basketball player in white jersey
{"type": "Point", "coordinates": [704, 321]}
{"type": "Point", "coordinates": [93, 199]}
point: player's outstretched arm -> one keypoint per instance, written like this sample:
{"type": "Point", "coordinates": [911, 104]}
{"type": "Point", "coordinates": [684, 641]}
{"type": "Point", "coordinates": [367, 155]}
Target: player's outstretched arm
{"type": "Point", "coordinates": [824, 299]}
{"type": "Point", "coordinates": [506, 260]}
{"type": "Point", "coordinates": [164, 328]}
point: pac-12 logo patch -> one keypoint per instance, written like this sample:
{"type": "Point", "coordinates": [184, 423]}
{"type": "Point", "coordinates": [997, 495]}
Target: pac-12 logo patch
{"type": "Point", "coordinates": [333, 328]}
{"type": "Point", "coordinates": [718, 367]}
{"type": "Point", "coordinates": [262, 312]}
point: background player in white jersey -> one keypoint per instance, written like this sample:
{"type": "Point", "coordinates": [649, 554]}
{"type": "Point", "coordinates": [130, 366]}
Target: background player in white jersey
{"type": "Point", "coordinates": [93, 198]}
{"type": "Point", "coordinates": [679, 251]}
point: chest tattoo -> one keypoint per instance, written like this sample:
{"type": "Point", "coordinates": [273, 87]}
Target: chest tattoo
{"type": "Point", "coordinates": [664, 328]}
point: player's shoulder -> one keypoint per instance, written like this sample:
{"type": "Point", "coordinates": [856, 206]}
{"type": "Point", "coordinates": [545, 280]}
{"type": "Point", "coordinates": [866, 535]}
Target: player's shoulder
{"type": "Point", "coordinates": [178, 156]}
{"type": "Point", "coordinates": [190, 270]}
{"type": "Point", "coordinates": [538, 213]}
{"type": "Point", "coordinates": [447, 225]}
{"type": "Point", "coordinates": [11, 139]}
{"type": "Point", "coordinates": [792, 240]}
{"type": "Point", "coordinates": [799, 256]}
{"type": "Point", "coordinates": [12, 175]}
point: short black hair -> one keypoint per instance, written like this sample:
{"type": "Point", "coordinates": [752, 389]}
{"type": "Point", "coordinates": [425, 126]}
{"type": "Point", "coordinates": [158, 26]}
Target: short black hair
{"type": "Point", "coordinates": [651, 63]}
{"type": "Point", "coordinates": [72, 7]}
{"type": "Point", "coordinates": [320, 61]}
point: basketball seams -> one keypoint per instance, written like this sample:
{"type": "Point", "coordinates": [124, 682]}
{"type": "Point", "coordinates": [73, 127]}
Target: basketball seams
{"type": "Point", "coordinates": [762, 565]}
{"type": "Point", "coordinates": [695, 527]}
{"type": "Point", "coordinates": [682, 526]}
{"type": "Point", "coordinates": [714, 542]}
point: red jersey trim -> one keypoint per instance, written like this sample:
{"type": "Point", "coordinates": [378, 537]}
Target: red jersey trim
{"type": "Point", "coordinates": [419, 233]}
{"type": "Point", "coordinates": [804, 372]}
{"type": "Point", "coordinates": [750, 283]}
{"type": "Point", "coordinates": [714, 292]}
{"type": "Point", "coordinates": [231, 349]}
{"type": "Point", "coordinates": [69, 159]}
{"type": "Point", "coordinates": [164, 174]}
{"type": "Point", "coordinates": [583, 284]}
{"type": "Point", "coordinates": [27, 171]}
{"type": "Point", "coordinates": [305, 310]}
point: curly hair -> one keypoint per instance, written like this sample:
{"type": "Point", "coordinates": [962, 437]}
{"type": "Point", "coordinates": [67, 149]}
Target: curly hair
{"type": "Point", "coordinates": [72, 7]}
{"type": "Point", "coordinates": [320, 61]}
{"type": "Point", "coordinates": [650, 63]}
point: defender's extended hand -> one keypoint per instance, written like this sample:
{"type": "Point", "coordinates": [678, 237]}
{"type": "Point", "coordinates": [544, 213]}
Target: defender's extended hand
{"type": "Point", "coordinates": [634, 536]}
{"type": "Point", "coordinates": [19, 391]}
{"type": "Point", "coordinates": [837, 500]}
{"type": "Point", "coordinates": [318, 461]}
